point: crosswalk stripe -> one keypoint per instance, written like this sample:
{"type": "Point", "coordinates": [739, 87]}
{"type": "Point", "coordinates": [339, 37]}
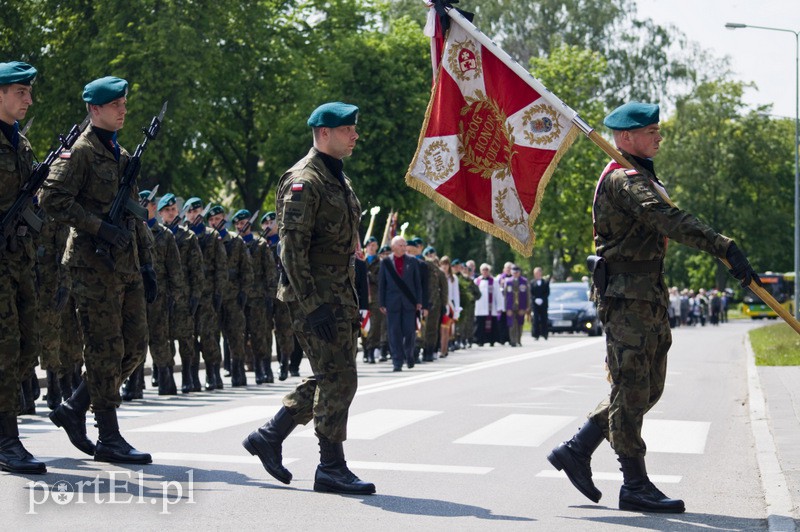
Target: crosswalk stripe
{"type": "Point", "coordinates": [215, 421]}
{"type": "Point", "coordinates": [375, 423]}
{"type": "Point", "coordinates": [214, 458]}
{"type": "Point", "coordinates": [600, 475]}
{"type": "Point", "coordinates": [674, 436]}
{"type": "Point", "coordinates": [520, 430]}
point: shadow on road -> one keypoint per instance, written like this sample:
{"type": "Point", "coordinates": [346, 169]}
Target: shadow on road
{"type": "Point", "coordinates": [677, 522]}
{"type": "Point", "coordinates": [435, 508]}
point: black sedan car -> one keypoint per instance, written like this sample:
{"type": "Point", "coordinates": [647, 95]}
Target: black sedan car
{"type": "Point", "coordinates": [571, 310]}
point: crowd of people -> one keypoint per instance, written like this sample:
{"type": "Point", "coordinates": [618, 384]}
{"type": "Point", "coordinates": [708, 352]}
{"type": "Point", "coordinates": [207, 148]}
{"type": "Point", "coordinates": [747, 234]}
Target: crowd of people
{"type": "Point", "coordinates": [687, 307]}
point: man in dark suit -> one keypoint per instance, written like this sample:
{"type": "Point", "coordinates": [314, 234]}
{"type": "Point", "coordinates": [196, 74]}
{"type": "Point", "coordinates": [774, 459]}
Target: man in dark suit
{"type": "Point", "coordinates": [400, 293]}
{"type": "Point", "coordinates": [540, 291]}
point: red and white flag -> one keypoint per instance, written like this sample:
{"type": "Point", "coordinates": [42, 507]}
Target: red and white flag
{"type": "Point", "coordinates": [490, 141]}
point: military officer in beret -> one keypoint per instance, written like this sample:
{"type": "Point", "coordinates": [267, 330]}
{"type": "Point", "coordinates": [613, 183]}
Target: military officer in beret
{"type": "Point", "coordinates": [437, 303]}
{"type": "Point", "coordinates": [181, 319]}
{"type": "Point", "coordinates": [234, 296]}
{"type": "Point", "coordinates": [18, 299]}
{"type": "Point", "coordinates": [261, 295]}
{"type": "Point", "coordinates": [79, 191]}
{"type": "Point", "coordinates": [215, 272]}
{"type": "Point", "coordinates": [167, 263]}
{"type": "Point", "coordinates": [278, 319]}
{"type": "Point", "coordinates": [376, 317]}
{"type": "Point", "coordinates": [633, 218]}
{"type": "Point", "coordinates": [318, 217]}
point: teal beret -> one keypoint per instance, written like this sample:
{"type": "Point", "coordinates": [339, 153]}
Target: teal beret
{"type": "Point", "coordinates": [144, 194]}
{"type": "Point", "coordinates": [268, 216]}
{"type": "Point", "coordinates": [167, 200]}
{"type": "Point", "coordinates": [632, 115]}
{"type": "Point", "coordinates": [384, 249]}
{"type": "Point", "coordinates": [334, 114]}
{"type": "Point", "coordinates": [104, 90]}
{"type": "Point", "coordinates": [242, 214]}
{"type": "Point", "coordinates": [371, 239]}
{"type": "Point", "coordinates": [216, 209]}
{"type": "Point", "coordinates": [455, 262]}
{"type": "Point", "coordinates": [416, 241]}
{"type": "Point", "coordinates": [193, 203]}
{"type": "Point", "coordinates": [428, 250]}
{"type": "Point", "coordinates": [16, 72]}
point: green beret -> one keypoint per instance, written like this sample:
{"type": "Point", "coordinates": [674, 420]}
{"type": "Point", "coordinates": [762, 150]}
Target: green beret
{"type": "Point", "coordinates": [384, 249]}
{"type": "Point", "coordinates": [632, 115]}
{"type": "Point", "coordinates": [416, 242]}
{"type": "Point", "coordinates": [241, 214]}
{"type": "Point", "coordinates": [166, 200]}
{"type": "Point", "coordinates": [16, 72]}
{"type": "Point", "coordinates": [215, 210]}
{"type": "Point", "coordinates": [193, 203]}
{"type": "Point", "coordinates": [428, 250]}
{"type": "Point", "coordinates": [104, 90]}
{"type": "Point", "coordinates": [371, 239]}
{"type": "Point", "coordinates": [334, 114]}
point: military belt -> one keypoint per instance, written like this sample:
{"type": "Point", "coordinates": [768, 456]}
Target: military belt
{"type": "Point", "coordinates": [635, 266]}
{"type": "Point", "coordinates": [332, 259]}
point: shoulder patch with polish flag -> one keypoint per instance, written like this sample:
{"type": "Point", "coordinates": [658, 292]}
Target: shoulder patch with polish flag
{"type": "Point", "coordinates": [631, 171]}
{"type": "Point", "coordinates": [65, 154]}
{"type": "Point", "coordinates": [297, 187]}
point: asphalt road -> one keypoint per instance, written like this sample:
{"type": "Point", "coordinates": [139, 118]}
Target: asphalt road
{"type": "Point", "coordinates": [458, 444]}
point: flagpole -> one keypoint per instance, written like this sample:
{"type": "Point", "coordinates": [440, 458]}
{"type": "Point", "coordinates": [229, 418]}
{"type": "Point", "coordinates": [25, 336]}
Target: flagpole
{"type": "Point", "coordinates": [595, 137]}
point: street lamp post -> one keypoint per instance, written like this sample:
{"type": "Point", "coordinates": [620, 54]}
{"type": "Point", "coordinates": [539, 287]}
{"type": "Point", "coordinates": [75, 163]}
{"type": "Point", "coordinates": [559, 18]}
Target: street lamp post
{"type": "Point", "coordinates": [734, 26]}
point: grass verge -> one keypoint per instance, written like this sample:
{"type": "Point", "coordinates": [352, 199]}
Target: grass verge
{"type": "Point", "coordinates": [776, 345]}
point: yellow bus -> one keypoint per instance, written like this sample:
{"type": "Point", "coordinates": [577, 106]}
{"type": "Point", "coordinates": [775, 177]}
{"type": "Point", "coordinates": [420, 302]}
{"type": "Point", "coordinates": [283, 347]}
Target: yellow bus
{"type": "Point", "coordinates": [780, 286]}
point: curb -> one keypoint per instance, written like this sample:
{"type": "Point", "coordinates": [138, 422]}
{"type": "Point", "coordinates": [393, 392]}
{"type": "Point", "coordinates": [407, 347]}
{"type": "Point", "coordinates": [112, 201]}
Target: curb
{"type": "Point", "coordinates": [776, 490]}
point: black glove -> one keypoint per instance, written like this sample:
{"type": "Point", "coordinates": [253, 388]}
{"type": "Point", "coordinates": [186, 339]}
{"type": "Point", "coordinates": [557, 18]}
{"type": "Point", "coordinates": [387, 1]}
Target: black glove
{"type": "Point", "coordinates": [740, 266]}
{"type": "Point", "coordinates": [241, 298]}
{"type": "Point", "coordinates": [60, 299]}
{"type": "Point", "coordinates": [150, 283]}
{"type": "Point", "coordinates": [193, 304]}
{"type": "Point", "coordinates": [270, 304]}
{"type": "Point", "coordinates": [323, 323]}
{"type": "Point", "coordinates": [114, 235]}
{"type": "Point", "coordinates": [216, 299]}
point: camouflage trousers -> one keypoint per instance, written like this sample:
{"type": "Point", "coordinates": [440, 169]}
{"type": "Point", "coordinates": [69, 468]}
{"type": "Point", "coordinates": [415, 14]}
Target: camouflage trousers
{"type": "Point", "coordinates": [206, 328]}
{"type": "Point", "coordinates": [49, 321]}
{"type": "Point", "coordinates": [430, 329]}
{"type": "Point", "coordinates": [19, 332]}
{"type": "Point", "coordinates": [158, 325]}
{"type": "Point", "coordinates": [181, 328]}
{"type": "Point", "coordinates": [256, 329]}
{"type": "Point", "coordinates": [638, 338]}
{"type": "Point", "coordinates": [326, 396]}
{"type": "Point", "coordinates": [114, 319]}
{"type": "Point", "coordinates": [377, 324]}
{"type": "Point", "coordinates": [71, 344]}
{"type": "Point", "coordinates": [466, 324]}
{"type": "Point", "coordinates": [280, 321]}
{"type": "Point", "coordinates": [232, 325]}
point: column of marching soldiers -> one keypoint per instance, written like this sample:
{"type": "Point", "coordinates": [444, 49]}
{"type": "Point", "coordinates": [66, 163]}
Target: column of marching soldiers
{"type": "Point", "coordinates": [212, 281]}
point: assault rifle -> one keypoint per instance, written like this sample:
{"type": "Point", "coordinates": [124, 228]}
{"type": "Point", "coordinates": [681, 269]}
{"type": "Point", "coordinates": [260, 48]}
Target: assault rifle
{"type": "Point", "coordinates": [246, 227]}
{"type": "Point", "coordinates": [21, 208]}
{"type": "Point", "coordinates": [123, 201]}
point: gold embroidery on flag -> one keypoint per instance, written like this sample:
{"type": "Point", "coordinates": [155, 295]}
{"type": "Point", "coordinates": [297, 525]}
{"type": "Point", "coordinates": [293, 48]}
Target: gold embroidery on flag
{"type": "Point", "coordinates": [485, 139]}
{"type": "Point", "coordinates": [464, 60]}
{"type": "Point", "coordinates": [439, 163]}
{"type": "Point", "coordinates": [541, 125]}
{"type": "Point", "coordinates": [500, 207]}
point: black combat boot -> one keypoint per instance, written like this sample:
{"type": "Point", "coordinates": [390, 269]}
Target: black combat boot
{"type": "Point", "coordinates": [14, 458]}
{"type": "Point", "coordinates": [238, 375]}
{"type": "Point", "coordinates": [77, 375]}
{"type": "Point", "coordinates": [27, 404]}
{"type": "Point", "coordinates": [369, 355]}
{"type": "Point", "coordinates": [384, 354]}
{"type": "Point", "coordinates": [574, 457]}
{"type": "Point", "coordinates": [111, 446]}
{"type": "Point", "coordinates": [638, 494]}
{"type": "Point", "coordinates": [36, 390]}
{"type": "Point", "coordinates": [53, 395]}
{"type": "Point", "coordinates": [71, 416]}
{"type": "Point", "coordinates": [196, 386]}
{"type": "Point", "coordinates": [266, 362]}
{"type": "Point", "coordinates": [187, 383]}
{"type": "Point", "coordinates": [332, 474]}
{"type": "Point", "coordinates": [266, 442]}
{"type": "Point", "coordinates": [166, 381]}
{"type": "Point", "coordinates": [153, 377]}
{"type": "Point", "coordinates": [211, 379]}
{"type": "Point", "coordinates": [218, 378]}
{"type": "Point", "coordinates": [131, 390]}
{"type": "Point", "coordinates": [284, 373]}
{"type": "Point", "coordinates": [65, 384]}
{"type": "Point", "coordinates": [258, 368]}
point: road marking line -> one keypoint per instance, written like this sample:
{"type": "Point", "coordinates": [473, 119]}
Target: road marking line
{"type": "Point", "coordinates": [520, 430]}
{"type": "Point", "coordinates": [375, 423]}
{"type": "Point", "coordinates": [215, 421]}
{"type": "Point", "coordinates": [599, 475]}
{"type": "Point", "coordinates": [673, 436]}
{"type": "Point", "coordinates": [215, 458]}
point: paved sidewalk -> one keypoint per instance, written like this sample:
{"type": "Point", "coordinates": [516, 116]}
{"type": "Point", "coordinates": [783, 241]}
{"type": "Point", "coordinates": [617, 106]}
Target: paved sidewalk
{"type": "Point", "coordinates": [781, 389]}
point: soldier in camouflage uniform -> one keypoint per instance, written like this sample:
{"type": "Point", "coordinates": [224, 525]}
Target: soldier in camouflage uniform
{"type": "Point", "coordinates": [278, 314]}
{"type": "Point", "coordinates": [437, 299]}
{"type": "Point", "coordinates": [377, 321]}
{"type": "Point", "coordinates": [262, 294]}
{"type": "Point", "coordinates": [182, 315]}
{"type": "Point", "coordinates": [79, 191]}
{"type": "Point", "coordinates": [633, 218]}
{"type": "Point", "coordinates": [167, 263]}
{"type": "Point", "coordinates": [318, 217]}
{"type": "Point", "coordinates": [234, 295]}
{"type": "Point", "coordinates": [18, 328]}
{"type": "Point", "coordinates": [53, 289]}
{"type": "Point", "coordinates": [469, 295]}
{"type": "Point", "coordinates": [215, 273]}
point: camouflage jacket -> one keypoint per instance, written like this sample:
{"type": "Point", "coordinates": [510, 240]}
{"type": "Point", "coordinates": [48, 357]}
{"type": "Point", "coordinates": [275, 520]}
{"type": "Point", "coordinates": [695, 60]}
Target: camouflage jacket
{"type": "Point", "coordinates": [318, 219]}
{"type": "Point", "coordinates": [265, 273]}
{"type": "Point", "coordinates": [191, 262]}
{"type": "Point", "coordinates": [437, 288]}
{"type": "Point", "coordinates": [15, 170]}
{"type": "Point", "coordinates": [240, 268]}
{"type": "Point", "coordinates": [51, 274]}
{"type": "Point", "coordinates": [167, 262]}
{"type": "Point", "coordinates": [468, 292]}
{"type": "Point", "coordinates": [79, 192]}
{"type": "Point", "coordinates": [215, 262]}
{"type": "Point", "coordinates": [632, 222]}
{"type": "Point", "coordinates": [373, 275]}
